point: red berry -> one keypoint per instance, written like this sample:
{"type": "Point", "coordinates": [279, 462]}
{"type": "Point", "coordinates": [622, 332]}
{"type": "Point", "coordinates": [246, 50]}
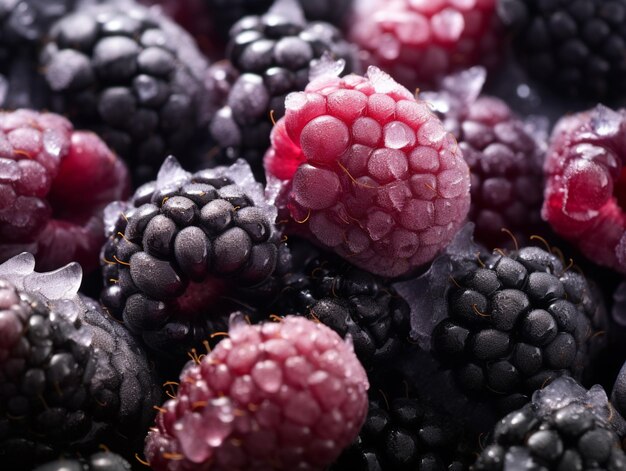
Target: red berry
{"type": "Point", "coordinates": [54, 183]}
{"type": "Point", "coordinates": [584, 196]}
{"type": "Point", "coordinates": [369, 172]}
{"type": "Point", "coordinates": [284, 396]}
{"type": "Point", "coordinates": [419, 41]}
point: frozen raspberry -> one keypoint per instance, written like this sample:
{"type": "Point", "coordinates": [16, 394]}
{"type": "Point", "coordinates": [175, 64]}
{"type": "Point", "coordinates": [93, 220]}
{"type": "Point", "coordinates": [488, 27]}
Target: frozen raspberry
{"type": "Point", "coordinates": [369, 172]}
{"type": "Point", "coordinates": [54, 183]}
{"type": "Point", "coordinates": [585, 193]}
{"type": "Point", "coordinates": [283, 396]}
{"type": "Point", "coordinates": [419, 41]}
{"type": "Point", "coordinates": [504, 154]}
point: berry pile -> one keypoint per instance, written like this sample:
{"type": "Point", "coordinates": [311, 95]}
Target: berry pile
{"type": "Point", "coordinates": [296, 260]}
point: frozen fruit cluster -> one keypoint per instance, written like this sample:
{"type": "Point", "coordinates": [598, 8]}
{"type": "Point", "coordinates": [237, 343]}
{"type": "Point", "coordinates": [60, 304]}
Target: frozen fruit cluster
{"type": "Point", "coordinates": [369, 172]}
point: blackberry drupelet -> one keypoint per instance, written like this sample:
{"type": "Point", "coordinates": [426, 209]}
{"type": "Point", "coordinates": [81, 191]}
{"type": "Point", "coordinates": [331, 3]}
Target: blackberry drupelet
{"type": "Point", "coordinates": [565, 428]}
{"type": "Point", "coordinates": [270, 56]}
{"type": "Point", "coordinates": [403, 432]}
{"type": "Point", "coordinates": [186, 252]}
{"type": "Point", "coordinates": [351, 302]}
{"type": "Point", "coordinates": [103, 461]}
{"type": "Point", "coordinates": [133, 76]}
{"type": "Point", "coordinates": [70, 377]}
{"type": "Point", "coordinates": [516, 322]}
{"type": "Point", "coordinates": [577, 48]}
{"type": "Point", "coordinates": [227, 12]}
{"type": "Point", "coordinates": [505, 156]}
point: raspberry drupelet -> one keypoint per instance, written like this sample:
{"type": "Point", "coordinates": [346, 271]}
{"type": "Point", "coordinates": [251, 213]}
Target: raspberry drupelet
{"type": "Point", "coordinates": [54, 184]}
{"type": "Point", "coordinates": [286, 395]}
{"type": "Point", "coordinates": [369, 172]}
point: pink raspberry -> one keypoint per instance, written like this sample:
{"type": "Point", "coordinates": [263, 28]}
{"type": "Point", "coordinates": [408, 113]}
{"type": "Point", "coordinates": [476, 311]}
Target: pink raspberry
{"type": "Point", "coordinates": [585, 192]}
{"type": "Point", "coordinates": [419, 41]}
{"type": "Point", "coordinates": [282, 396]}
{"type": "Point", "coordinates": [369, 172]}
{"type": "Point", "coordinates": [54, 184]}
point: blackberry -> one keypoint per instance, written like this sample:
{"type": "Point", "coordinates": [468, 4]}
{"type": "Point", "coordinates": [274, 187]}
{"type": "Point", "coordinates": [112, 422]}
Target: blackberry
{"type": "Point", "coordinates": [565, 428]}
{"type": "Point", "coordinates": [577, 48]}
{"type": "Point", "coordinates": [227, 12]}
{"type": "Point", "coordinates": [130, 74]}
{"type": "Point", "coordinates": [70, 376]}
{"type": "Point", "coordinates": [504, 154]}
{"type": "Point", "coordinates": [103, 461]}
{"type": "Point", "coordinates": [271, 56]}
{"type": "Point", "coordinates": [515, 322]}
{"type": "Point", "coordinates": [404, 432]}
{"type": "Point", "coordinates": [185, 253]}
{"type": "Point", "coordinates": [351, 302]}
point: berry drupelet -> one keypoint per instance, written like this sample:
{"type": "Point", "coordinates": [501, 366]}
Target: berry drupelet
{"type": "Point", "coordinates": [369, 172]}
{"type": "Point", "coordinates": [351, 302]}
{"type": "Point", "coordinates": [565, 428]}
{"type": "Point", "coordinates": [186, 252]}
{"type": "Point", "coordinates": [420, 41]}
{"type": "Point", "coordinates": [70, 377]}
{"type": "Point", "coordinates": [516, 322]}
{"type": "Point", "coordinates": [103, 461]}
{"type": "Point", "coordinates": [585, 191]}
{"type": "Point", "coordinates": [576, 47]}
{"type": "Point", "coordinates": [281, 395]}
{"type": "Point", "coordinates": [133, 76]}
{"type": "Point", "coordinates": [269, 56]}
{"type": "Point", "coordinates": [505, 156]}
{"type": "Point", "coordinates": [54, 184]}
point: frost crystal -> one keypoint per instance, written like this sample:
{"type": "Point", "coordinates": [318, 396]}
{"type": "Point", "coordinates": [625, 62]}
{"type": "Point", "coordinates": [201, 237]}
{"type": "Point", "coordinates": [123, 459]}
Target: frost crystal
{"type": "Point", "coordinates": [457, 91]}
{"type": "Point", "coordinates": [112, 212]}
{"type": "Point", "coordinates": [606, 122]}
{"type": "Point", "coordinates": [383, 83]}
{"type": "Point", "coordinates": [171, 174]}
{"type": "Point", "coordinates": [326, 66]}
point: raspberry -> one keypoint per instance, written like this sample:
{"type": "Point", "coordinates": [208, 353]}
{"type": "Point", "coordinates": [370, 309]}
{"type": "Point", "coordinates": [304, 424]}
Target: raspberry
{"type": "Point", "coordinates": [504, 154]}
{"type": "Point", "coordinates": [565, 427]}
{"type": "Point", "coordinates": [69, 375]}
{"type": "Point", "coordinates": [420, 41]}
{"type": "Point", "coordinates": [133, 76]}
{"type": "Point", "coordinates": [584, 195]}
{"type": "Point", "coordinates": [369, 172]}
{"type": "Point", "coordinates": [575, 47]}
{"type": "Point", "coordinates": [286, 395]}
{"type": "Point", "coordinates": [512, 323]}
{"type": "Point", "coordinates": [54, 183]}
{"type": "Point", "coordinates": [186, 252]}
{"type": "Point", "coordinates": [351, 302]}
{"type": "Point", "coordinates": [103, 461]}
{"type": "Point", "coordinates": [270, 56]}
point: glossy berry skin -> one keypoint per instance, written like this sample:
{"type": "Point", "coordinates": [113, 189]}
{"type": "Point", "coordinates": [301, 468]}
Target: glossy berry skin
{"type": "Point", "coordinates": [584, 195]}
{"type": "Point", "coordinates": [576, 48]}
{"type": "Point", "coordinates": [351, 302]}
{"type": "Point", "coordinates": [369, 172]}
{"type": "Point", "coordinates": [54, 184]}
{"type": "Point", "coordinates": [133, 76]}
{"type": "Point", "coordinates": [286, 395]}
{"type": "Point", "coordinates": [269, 56]}
{"type": "Point", "coordinates": [103, 461]}
{"type": "Point", "coordinates": [181, 257]}
{"type": "Point", "coordinates": [565, 427]}
{"type": "Point", "coordinates": [517, 323]}
{"type": "Point", "coordinates": [418, 42]}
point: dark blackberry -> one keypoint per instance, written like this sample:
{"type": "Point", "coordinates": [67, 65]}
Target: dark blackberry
{"type": "Point", "coordinates": [514, 323]}
{"type": "Point", "coordinates": [227, 12]}
{"type": "Point", "coordinates": [270, 57]}
{"type": "Point", "coordinates": [404, 432]}
{"type": "Point", "coordinates": [70, 377]}
{"type": "Point", "coordinates": [103, 461]}
{"type": "Point", "coordinates": [186, 252]}
{"type": "Point", "coordinates": [23, 25]}
{"type": "Point", "coordinates": [565, 428]}
{"type": "Point", "coordinates": [351, 302]}
{"type": "Point", "coordinates": [504, 154]}
{"type": "Point", "coordinates": [576, 47]}
{"type": "Point", "coordinates": [133, 76]}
